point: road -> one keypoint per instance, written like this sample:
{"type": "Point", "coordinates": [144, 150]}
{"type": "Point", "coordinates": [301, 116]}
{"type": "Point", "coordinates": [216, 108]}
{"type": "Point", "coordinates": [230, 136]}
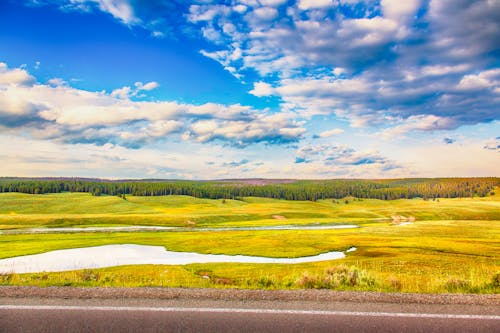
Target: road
{"type": "Point", "coordinates": [234, 314]}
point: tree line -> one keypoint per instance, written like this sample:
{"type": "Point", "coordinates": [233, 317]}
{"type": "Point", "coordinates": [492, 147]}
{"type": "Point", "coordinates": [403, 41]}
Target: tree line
{"type": "Point", "coordinates": [426, 188]}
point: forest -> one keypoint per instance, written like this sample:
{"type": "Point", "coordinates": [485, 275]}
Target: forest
{"type": "Point", "coordinates": [384, 189]}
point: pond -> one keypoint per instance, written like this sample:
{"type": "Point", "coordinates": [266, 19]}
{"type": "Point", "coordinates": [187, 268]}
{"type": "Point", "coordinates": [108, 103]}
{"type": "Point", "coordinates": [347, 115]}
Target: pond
{"type": "Point", "coordinates": [132, 254]}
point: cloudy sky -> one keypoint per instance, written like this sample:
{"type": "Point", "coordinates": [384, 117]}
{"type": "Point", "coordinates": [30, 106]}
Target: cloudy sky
{"type": "Point", "coordinates": [250, 88]}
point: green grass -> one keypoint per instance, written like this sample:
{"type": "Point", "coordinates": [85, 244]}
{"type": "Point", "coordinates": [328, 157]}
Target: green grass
{"type": "Point", "coordinates": [451, 247]}
{"type": "Point", "coordinates": [77, 209]}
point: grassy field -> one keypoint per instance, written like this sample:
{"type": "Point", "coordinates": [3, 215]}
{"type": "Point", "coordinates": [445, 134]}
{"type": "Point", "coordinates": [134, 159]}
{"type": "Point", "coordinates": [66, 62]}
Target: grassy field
{"type": "Point", "coordinates": [452, 246]}
{"type": "Point", "coordinates": [82, 209]}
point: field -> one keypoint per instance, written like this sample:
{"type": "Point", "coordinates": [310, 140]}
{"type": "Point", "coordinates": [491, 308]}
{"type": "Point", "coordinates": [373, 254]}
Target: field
{"type": "Point", "coordinates": [451, 245]}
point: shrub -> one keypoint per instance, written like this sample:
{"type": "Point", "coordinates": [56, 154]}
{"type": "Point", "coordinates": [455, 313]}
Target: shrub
{"type": "Point", "coordinates": [340, 276]}
{"type": "Point", "coordinates": [89, 275]}
{"type": "Point", "coordinates": [265, 282]}
{"type": "Point", "coordinates": [308, 282]}
{"type": "Point", "coordinates": [6, 277]}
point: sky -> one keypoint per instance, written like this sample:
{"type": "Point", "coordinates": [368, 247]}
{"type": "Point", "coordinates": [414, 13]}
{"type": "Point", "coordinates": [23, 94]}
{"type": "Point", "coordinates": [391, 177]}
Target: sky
{"type": "Point", "coordinates": [207, 89]}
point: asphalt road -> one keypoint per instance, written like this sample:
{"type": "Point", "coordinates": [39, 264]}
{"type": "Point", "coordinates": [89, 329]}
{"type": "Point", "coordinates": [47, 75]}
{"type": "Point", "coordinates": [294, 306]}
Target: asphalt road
{"type": "Point", "coordinates": [257, 314]}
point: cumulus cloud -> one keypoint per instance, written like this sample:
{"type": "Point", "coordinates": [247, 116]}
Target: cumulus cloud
{"type": "Point", "coordinates": [58, 111]}
{"type": "Point", "coordinates": [262, 89]}
{"type": "Point", "coordinates": [399, 66]}
{"type": "Point", "coordinates": [485, 80]}
{"type": "Point", "coordinates": [270, 129]}
{"type": "Point", "coordinates": [16, 76]}
{"type": "Point", "coordinates": [304, 39]}
{"type": "Point", "coordinates": [365, 65]}
{"type": "Point", "coordinates": [372, 64]}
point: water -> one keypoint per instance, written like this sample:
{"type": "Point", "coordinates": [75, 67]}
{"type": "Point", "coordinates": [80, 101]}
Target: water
{"type": "Point", "coordinates": [133, 228]}
{"type": "Point", "coordinates": [132, 254]}
{"type": "Point", "coordinates": [159, 228]}
{"type": "Point", "coordinates": [284, 227]}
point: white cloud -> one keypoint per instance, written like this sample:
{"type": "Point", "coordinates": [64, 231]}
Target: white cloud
{"type": "Point", "coordinates": [366, 32]}
{"type": "Point", "coordinates": [261, 89]}
{"type": "Point", "coordinates": [127, 92]}
{"type": "Point", "coordinates": [339, 71]}
{"type": "Point", "coordinates": [147, 86]}
{"type": "Point", "coordinates": [266, 13]}
{"type": "Point", "coordinates": [366, 66]}
{"type": "Point", "coordinates": [124, 92]}
{"type": "Point", "coordinates": [363, 64]}
{"type": "Point", "coordinates": [200, 13]}
{"type": "Point", "coordinates": [83, 116]}
{"type": "Point", "coordinates": [398, 10]}
{"type": "Point", "coordinates": [489, 79]}
{"type": "Point", "coordinates": [31, 157]}
{"type": "Point", "coordinates": [332, 132]}
{"type": "Point", "coordinates": [341, 159]}
{"type": "Point", "coordinates": [276, 129]}
{"type": "Point", "coordinates": [16, 76]}
{"type": "Point", "coordinates": [273, 3]}
{"type": "Point", "coordinates": [284, 46]}
{"type": "Point", "coordinates": [240, 8]}
{"type": "Point", "coordinates": [473, 82]}
{"type": "Point", "coordinates": [313, 4]}
{"type": "Point", "coordinates": [444, 69]}
{"type": "Point", "coordinates": [120, 9]}
{"type": "Point", "coordinates": [419, 123]}
{"type": "Point", "coordinates": [11, 103]}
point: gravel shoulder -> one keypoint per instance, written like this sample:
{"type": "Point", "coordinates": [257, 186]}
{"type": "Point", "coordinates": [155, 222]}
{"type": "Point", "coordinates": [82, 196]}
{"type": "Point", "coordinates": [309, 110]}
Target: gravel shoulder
{"type": "Point", "coordinates": [19, 292]}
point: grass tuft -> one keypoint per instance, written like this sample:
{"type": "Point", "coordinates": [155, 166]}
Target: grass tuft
{"type": "Point", "coordinates": [457, 285]}
{"type": "Point", "coordinates": [89, 275]}
{"type": "Point", "coordinates": [337, 277]}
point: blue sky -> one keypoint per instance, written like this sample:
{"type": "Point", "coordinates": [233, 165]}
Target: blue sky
{"type": "Point", "coordinates": [250, 88]}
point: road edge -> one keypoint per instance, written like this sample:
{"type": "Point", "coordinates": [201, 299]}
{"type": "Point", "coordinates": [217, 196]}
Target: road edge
{"type": "Point", "coordinates": [244, 295]}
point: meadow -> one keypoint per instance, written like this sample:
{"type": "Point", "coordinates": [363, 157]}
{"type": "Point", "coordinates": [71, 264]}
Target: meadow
{"type": "Point", "coordinates": [450, 245]}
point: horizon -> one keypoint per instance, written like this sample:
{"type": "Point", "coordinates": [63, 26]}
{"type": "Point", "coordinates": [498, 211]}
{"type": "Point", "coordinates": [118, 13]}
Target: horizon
{"type": "Point", "coordinates": [249, 89]}
{"type": "Point", "coordinates": [229, 179]}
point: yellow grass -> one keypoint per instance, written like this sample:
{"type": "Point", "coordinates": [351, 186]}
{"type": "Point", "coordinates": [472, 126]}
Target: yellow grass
{"type": "Point", "coordinates": [451, 247]}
